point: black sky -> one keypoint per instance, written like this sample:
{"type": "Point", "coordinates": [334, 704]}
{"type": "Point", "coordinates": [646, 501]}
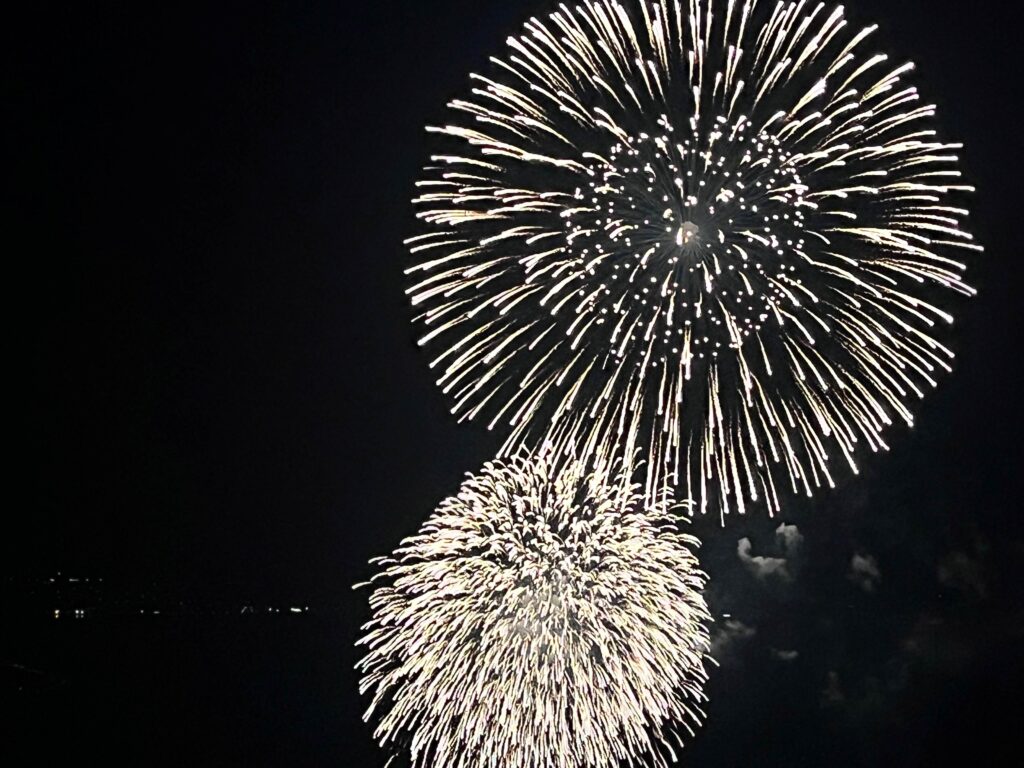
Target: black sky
{"type": "Point", "coordinates": [218, 392]}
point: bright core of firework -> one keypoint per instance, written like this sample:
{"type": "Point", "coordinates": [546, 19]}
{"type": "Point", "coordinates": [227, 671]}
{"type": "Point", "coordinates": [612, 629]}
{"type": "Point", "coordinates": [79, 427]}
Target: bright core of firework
{"type": "Point", "coordinates": [545, 615]}
{"type": "Point", "coordinates": [724, 192]}
{"type": "Point", "coordinates": [720, 233]}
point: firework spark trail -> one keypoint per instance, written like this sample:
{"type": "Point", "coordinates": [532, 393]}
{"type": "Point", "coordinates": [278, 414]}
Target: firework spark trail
{"type": "Point", "coordinates": [712, 232]}
{"type": "Point", "coordinates": [545, 615]}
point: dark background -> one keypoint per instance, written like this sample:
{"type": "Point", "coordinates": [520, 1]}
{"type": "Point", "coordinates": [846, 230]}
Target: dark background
{"type": "Point", "coordinates": [220, 411]}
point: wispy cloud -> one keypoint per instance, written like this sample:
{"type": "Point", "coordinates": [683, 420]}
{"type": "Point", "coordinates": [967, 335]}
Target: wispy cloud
{"type": "Point", "coordinates": [785, 656]}
{"type": "Point", "coordinates": [728, 635]}
{"type": "Point", "coordinates": [788, 540]}
{"type": "Point", "coordinates": [864, 572]}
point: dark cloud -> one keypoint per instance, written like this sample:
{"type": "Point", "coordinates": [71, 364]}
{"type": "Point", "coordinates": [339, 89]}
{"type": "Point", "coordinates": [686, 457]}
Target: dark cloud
{"type": "Point", "coordinates": [864, 702]}
{"type": "Point", "coordinates": [832, 695]}
{"type": "Point", "coordinates": [864, 572]}
{"type": "Point", "coordinates": [960, 571]}
{"type": "Point", "coordinates": [938, 645]}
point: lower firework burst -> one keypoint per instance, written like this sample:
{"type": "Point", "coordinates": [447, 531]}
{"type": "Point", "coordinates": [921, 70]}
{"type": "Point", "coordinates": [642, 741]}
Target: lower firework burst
{"type": "Point", "coordinates": [545, 615]}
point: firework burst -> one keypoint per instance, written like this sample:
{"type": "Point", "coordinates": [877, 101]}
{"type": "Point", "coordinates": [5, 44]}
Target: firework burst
{"type": "Point", "coordinates": [711, 232]}
{"type": "Point", "coordinates": [545, 615]}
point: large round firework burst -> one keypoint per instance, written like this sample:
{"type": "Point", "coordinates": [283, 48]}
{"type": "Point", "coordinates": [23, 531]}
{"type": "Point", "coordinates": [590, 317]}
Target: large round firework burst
{"type": "Point", "coordinates": [542, 616]}
{"type": "Point", "coordinates": [712, 232]}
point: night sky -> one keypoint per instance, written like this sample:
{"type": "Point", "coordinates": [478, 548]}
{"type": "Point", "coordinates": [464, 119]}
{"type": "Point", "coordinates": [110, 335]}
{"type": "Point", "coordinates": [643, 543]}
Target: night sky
{"type": "Point", "coordinates": [219, 403]}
